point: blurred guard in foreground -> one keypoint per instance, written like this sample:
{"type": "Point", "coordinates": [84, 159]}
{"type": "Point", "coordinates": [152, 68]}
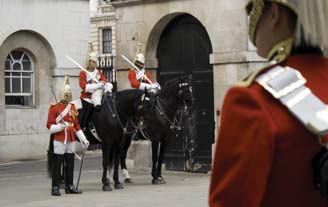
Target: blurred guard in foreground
{"type": "Point", "coordinates": [270, 149]}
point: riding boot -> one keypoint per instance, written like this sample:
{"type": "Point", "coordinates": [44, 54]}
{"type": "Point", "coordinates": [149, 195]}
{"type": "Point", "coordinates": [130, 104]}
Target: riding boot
{"type": "Point", "coordinates": [62, 177]}
{"type": "Point", "coordinates": [70, 188]}
{"type": "Point", "coordinates": [58, 160]}
{"type": "Point", "coordinates": [97, 108]}
{"type": "Point", "coordinates": [135, 136]}
{"type": "Point", "coordinates": [85, 114]}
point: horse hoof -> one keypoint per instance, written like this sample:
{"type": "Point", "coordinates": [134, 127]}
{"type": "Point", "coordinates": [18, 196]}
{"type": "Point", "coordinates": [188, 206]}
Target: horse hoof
{"type": "Point", "coordinates": [118, 186]}
{"type": "Point", "coordinates": [106, 188]}
{"type": "Point", "coordinates": [162, 180]}
{"type": "Point", "coordinates": [128, 180]}
{"type": "Point", "coordinates": [156, 181]}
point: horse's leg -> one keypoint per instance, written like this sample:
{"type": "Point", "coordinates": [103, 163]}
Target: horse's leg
{"type": "Point", "coordinates": [117, 154]}
{"type": "Point", "coordinates": [104, 179]}
{"type": "Point", "coordinates": [154, 149]}
{"type": "Point", "coordinates": [125, 172]}
{"type": "Point", "coordinates": [162, 150]}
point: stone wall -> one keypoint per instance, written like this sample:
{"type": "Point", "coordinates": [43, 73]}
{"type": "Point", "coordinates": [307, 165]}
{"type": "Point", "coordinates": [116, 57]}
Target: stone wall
{"type": "Point", "coordinates": [48, 30]}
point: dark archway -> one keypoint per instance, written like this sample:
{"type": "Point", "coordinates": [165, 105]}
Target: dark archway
{"type": "Point", "coordinates": [184, 49]}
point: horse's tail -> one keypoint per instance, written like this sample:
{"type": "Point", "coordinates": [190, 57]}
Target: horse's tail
{"type": "Point", "coordinates": [50, 155]}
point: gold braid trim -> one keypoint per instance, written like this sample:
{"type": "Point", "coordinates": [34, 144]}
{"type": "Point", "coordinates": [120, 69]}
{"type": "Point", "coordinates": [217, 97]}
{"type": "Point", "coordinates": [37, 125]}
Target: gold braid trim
{"type": "Point", "coordinates": [277, 55]}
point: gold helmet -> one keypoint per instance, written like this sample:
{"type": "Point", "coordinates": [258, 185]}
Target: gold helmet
{"type": "Point", "coordinates": [65, 94]}
{"type": "Point", "coordinates": [139, 58]}
{"type": "Point", "coordinates": [312, 20]}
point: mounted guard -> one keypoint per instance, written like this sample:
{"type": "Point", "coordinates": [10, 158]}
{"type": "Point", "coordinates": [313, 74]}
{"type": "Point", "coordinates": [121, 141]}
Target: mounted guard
{"type": "Point", "coordinates": [63, 124]}
{"type": "Point", "coordinates": [138, 76]}
{"type": "Point", "coordinates": [93, 84]}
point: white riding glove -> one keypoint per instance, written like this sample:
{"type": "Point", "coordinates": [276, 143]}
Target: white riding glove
{"type": "Point", "coordinates": [156, 86]}
{"type": "Point", "coordinates": [93, 86]}
{"type": "Point", "coordinates": [144, 86]}
{"type": "Point", "coordinates": [141, 74]}
{"type": "Point", "coordinates": [84, 142]}
{"type": "Point", "coordinates": [108, 87]}
{"type": "Point", "coordinates": [56, 128]}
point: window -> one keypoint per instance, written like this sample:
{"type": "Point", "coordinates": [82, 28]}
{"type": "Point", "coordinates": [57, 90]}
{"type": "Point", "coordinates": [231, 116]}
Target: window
{"type": "Point", "coordinates": [19, 79]}
{"type": "Point", "coordinates": [107, 41]}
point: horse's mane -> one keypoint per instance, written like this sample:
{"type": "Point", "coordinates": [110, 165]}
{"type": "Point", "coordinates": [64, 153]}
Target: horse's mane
{"type": "Point", "coordinates": [128, 94]}
{"type": "Point", "coordinates": [168, 87]}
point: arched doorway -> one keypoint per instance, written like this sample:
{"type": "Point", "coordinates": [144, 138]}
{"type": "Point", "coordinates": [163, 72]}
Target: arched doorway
{"type": "Point", "coordinates": [184, 48]}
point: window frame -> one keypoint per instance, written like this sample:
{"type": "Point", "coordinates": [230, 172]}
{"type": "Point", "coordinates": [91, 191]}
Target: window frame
{"type": "Point", "coordinates": [20, 75]}
{"type": "Point", "coordinates": [110, 42]}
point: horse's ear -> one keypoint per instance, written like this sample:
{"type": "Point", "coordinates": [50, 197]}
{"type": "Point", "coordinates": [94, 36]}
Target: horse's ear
{"type": "Point", "coordinates": [183, 78]}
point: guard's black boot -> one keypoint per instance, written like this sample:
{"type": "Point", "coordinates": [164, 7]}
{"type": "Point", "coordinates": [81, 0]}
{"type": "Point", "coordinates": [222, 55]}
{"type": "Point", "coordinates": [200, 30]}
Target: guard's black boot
{"type": "Point", "coordinates": [58, 160]}
{"type": "Point", "coordinates": [70, 189]}
{"type": "Point", "coordinates": [62, 183]}
{"type": "Point", "coordinates": [135, 136]}
{"type": "Point", "coordinates": [55, 191]}
{"type": "Point", "coordinates": [97, 108]}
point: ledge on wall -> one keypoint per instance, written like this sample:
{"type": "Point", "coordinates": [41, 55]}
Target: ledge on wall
{"type": "Point", "coordinates": [235, 57]}
{"type": "Point", "coordinates": [118, 3]}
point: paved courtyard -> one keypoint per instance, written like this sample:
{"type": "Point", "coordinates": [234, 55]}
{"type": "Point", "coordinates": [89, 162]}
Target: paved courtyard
{"type": "Point", "coordinates": [26, 184]}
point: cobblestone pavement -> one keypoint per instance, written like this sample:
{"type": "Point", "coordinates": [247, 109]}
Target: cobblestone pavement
{"type": "Point", "coordinates": [26, 184]}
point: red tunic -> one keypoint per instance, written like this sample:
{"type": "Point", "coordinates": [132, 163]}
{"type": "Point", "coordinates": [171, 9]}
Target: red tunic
{"type": "Point", "coordinates": [83, 82]}
{"type": "Point", "coordinates": [263, 154]}
{"type": "Point", "coordinates": [70, 117]}
{"type": "Point", "coordinates": [135, 83]}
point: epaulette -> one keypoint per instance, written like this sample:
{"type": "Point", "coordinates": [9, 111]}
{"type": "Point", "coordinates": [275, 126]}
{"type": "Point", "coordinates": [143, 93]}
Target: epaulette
{"type": "Point", "coordinates": [249, 79]}
{"type": "Point", "coordinates": [53, 104]}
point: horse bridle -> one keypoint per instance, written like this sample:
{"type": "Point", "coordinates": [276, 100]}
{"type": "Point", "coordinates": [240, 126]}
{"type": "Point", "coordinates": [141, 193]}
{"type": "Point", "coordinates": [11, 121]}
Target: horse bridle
{"type": "Point", "coordinates": [181, 89]}
{"type": "Point", "coordinates": [176, 123]}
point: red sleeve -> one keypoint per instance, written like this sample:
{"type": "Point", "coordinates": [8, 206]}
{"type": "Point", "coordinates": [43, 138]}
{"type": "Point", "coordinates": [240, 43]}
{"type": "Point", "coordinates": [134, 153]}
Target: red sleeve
{"type": "Point", "coordinates": [102, 77]}
{"type": "Point", "coordinates": [83, 80]}
{"type": "Point", "coordinates": [51, 116]}
{"type": "Point", "coordinates": [244, 151]}
{"type": "Point", "coordinates": [133, 79]}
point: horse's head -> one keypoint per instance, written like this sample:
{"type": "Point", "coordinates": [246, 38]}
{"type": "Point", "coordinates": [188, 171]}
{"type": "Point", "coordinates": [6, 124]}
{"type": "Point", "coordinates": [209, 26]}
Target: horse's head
{"type": "Point", "coordinates": [186, 97]}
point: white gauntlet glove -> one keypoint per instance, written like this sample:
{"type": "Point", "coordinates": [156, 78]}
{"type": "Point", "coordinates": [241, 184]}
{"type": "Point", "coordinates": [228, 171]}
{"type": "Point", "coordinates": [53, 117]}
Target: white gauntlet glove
{"type": "Point", "coordinates": [108, 87]}
{"type": "Point", "coordinates": [56, 128]}
{"type": "Point", "coordinates": [144, 86]}
{"type": "Point", "coordinates": [156, 86]}
{"type": "Point", "coordinates": [93, 86]}
{"type": "Point", "coordinates": [140, 74]}
{"type": "Point", "coordinates": [84, 142]}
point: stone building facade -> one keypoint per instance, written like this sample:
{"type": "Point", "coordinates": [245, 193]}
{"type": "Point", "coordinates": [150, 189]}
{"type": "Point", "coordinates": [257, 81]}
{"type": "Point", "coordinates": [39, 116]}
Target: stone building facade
{"type": "Point", "coordinates": [35, 37]}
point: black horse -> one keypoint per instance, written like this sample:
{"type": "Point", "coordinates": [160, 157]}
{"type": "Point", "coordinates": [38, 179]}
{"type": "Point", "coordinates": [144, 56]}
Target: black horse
{"type": "Point", "coordinates": [117, 111]}
{"type": "Point", "coordinates": [159, 121]}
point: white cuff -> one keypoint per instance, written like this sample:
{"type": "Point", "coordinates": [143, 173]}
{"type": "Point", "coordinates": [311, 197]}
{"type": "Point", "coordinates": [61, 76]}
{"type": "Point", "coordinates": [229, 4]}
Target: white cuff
{"type": "Point", "coordinates": [56, 128]}
{"type": "Point", "coordinates": [80, 135]}
{"type": "Point", "coordinates": [91, 87]}
{"type": "Point", "coordinates": [144, 86]}
{"type": "Point", "coordinates": [108, 87]}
